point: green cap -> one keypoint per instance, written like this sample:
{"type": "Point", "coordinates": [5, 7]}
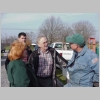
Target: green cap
{"type": "Point", "coordinates": [75, 38]}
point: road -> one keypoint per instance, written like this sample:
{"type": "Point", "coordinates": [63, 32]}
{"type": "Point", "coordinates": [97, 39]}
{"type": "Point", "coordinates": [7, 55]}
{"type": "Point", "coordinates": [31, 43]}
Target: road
{"type": "Point", "coordinates": [4, 79]}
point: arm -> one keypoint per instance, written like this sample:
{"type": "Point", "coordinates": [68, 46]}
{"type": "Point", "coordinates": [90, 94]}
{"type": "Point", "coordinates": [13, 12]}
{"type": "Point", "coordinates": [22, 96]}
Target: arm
{"type": "Point", "coordinates": [6, 63]}
{"type": "Point", "coordinates": [30, 61]}
{"type": "Point", "coordinates": [29, 53]}
{"type": "Point", "coordinates": [60, 60]}
{"type": "Point", "coordinates": [95, 68]}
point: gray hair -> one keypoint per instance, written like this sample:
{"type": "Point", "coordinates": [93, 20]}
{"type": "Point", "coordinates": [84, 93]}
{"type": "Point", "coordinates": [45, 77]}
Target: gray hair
{"type": "Point", "coordinates": [38, 39]}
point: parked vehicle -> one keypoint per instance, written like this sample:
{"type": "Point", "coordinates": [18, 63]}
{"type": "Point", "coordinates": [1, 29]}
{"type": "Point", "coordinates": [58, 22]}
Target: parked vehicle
{"type": "Point", "coordinates": [64, 49]}
{"type": "Point", "coordinates": [35, 46]}
{"type": "Point", "coordinates": [66, 52]}
{"type": "Point", "coordinates": [2, 49]}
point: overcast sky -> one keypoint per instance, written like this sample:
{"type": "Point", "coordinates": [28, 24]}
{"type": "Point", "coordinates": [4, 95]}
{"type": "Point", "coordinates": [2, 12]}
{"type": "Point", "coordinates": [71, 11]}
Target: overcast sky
{"type": "Point", "coordinates": [30, 22]}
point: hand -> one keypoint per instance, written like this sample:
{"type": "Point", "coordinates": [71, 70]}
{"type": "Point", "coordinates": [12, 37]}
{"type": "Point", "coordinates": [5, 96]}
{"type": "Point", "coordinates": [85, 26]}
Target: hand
{"type": "Point", "coordinates": [96, 84]}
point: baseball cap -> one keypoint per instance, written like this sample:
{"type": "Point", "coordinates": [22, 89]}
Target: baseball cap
{"type": "Point", "coordinates": [76, 38]}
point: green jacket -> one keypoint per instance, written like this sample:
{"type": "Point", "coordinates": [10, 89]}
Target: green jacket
{"type": "Point", "coordinates": [17, 74]}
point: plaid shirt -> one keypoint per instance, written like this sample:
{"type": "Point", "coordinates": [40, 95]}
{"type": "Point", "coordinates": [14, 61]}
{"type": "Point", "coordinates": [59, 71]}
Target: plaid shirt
{"type": "Point", "coordinates": [45, 64]}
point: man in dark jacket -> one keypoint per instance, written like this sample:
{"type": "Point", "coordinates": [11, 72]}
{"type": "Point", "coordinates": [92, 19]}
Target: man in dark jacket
{"type": "Point", "coordinates": [21, 38]}
{"type": "Point", "coordinates": [43, 61]}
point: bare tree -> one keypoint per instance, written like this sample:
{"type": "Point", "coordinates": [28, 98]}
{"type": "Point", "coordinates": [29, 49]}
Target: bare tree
{"type": "Point", "coordinates": [85, 28]}
{"type": "Point", "coordinates": [55, 30]}
{"type": "Point", "coordinates": [52, 28]}
{"type": "Point", "coordinates": [31, 37]}
{"type": "Point", "coordinates": [66, 32]}
{"type": "Point", "coordinates": [7, 40]}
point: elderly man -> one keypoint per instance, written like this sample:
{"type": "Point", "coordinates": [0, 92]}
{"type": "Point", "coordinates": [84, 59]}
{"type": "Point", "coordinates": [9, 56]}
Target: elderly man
{"type": "Point", "coordinates": [83, 68]}
{"type": "Point", "coordinates": [43, 61]}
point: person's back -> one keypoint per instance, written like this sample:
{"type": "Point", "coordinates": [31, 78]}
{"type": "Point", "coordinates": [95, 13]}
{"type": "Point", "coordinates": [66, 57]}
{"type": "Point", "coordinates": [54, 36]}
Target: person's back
{"type": "Point", "coordinates": [17, 74]}
{"type": "Point", "coordinates": [16, 70]}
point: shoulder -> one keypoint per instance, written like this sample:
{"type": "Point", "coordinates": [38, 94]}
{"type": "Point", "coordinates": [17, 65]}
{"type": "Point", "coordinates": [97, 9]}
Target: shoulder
{"type": "Point", "coordinates": [93, 57]}
{"type": "Point", "coordinates": [33, 54]}
{"type": "Point", "coordinates": [51, 49]}
{"type": "Point", "coordinates": [91, 53]}
{"type": "Point", "coordinates": [17, 62]}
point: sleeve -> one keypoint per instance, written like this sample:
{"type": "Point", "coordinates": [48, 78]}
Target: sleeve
{"type": "Point", "coordinates": [60, 60]}
{"type": "Point", "coordinates": [20, 76]}
{"type": "Point", "coordinates": [31, 62]}
{"type": "Point", "coordinates": [29, 53]}
{"type": "Point", "coordinates": [6, 63]}
{"type": "Point", "coordinates": [95, 68]}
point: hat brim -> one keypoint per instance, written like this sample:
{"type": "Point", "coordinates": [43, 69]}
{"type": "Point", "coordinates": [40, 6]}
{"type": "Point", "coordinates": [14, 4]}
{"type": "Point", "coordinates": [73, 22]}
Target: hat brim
{"type": "Point", "coordinates": [69, 39]}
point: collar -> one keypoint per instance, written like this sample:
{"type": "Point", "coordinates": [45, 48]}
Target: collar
{"type": "Point", "coordinates": [79, 54]}
{"type": "Point", "coordinates": [40, 51]}
{"type": "Point", "coordinates": [83, 51]}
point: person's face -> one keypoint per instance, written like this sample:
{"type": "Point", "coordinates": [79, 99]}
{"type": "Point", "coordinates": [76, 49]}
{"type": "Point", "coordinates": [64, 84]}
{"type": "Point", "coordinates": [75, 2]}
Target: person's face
{"type": "Point", "coordinates": [22, 39]}
{"type": "Point", "coordinates": [43, 43]}
{"type": "Point", "coordinates": [73, 46]}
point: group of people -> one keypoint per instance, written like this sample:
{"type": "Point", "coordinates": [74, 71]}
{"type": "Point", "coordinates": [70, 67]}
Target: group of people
{"type": "Point", "coordinates": [83, 68]}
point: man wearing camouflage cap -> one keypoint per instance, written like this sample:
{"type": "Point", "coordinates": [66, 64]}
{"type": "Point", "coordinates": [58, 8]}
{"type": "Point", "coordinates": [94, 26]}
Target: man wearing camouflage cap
{"type": "Point", "coordinates": [83, 67]}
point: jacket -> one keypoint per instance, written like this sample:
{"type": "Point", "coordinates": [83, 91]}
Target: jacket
{"type": "Point", "coordinates": [56, 57]}
{"type": "Point", "coordinates": [85, 70]}
{"type": "Point", "coordinates": [17, 74]}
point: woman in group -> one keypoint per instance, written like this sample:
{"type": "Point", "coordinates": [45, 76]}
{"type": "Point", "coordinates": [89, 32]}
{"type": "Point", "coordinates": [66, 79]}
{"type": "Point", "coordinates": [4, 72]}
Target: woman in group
{"type": "Point", "coordinates": [16, 70]}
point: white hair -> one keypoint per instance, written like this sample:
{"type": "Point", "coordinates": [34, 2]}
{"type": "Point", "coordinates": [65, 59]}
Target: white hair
{"type": "Point", "coordinates": [39, 38]}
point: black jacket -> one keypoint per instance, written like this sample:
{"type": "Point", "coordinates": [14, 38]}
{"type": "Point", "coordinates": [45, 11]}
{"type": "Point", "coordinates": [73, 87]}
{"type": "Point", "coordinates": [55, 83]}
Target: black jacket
{"type": "Point", "coordinates": [57, 59]}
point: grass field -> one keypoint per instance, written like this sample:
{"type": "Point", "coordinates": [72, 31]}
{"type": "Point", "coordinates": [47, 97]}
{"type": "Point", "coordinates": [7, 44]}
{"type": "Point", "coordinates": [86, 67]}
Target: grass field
{"type": "Point", "coordinates": [7, 47]}
{"type": "Point", "coordinates": [32, 48]}
{"type": "Point", "coordinates": [60, 76]}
